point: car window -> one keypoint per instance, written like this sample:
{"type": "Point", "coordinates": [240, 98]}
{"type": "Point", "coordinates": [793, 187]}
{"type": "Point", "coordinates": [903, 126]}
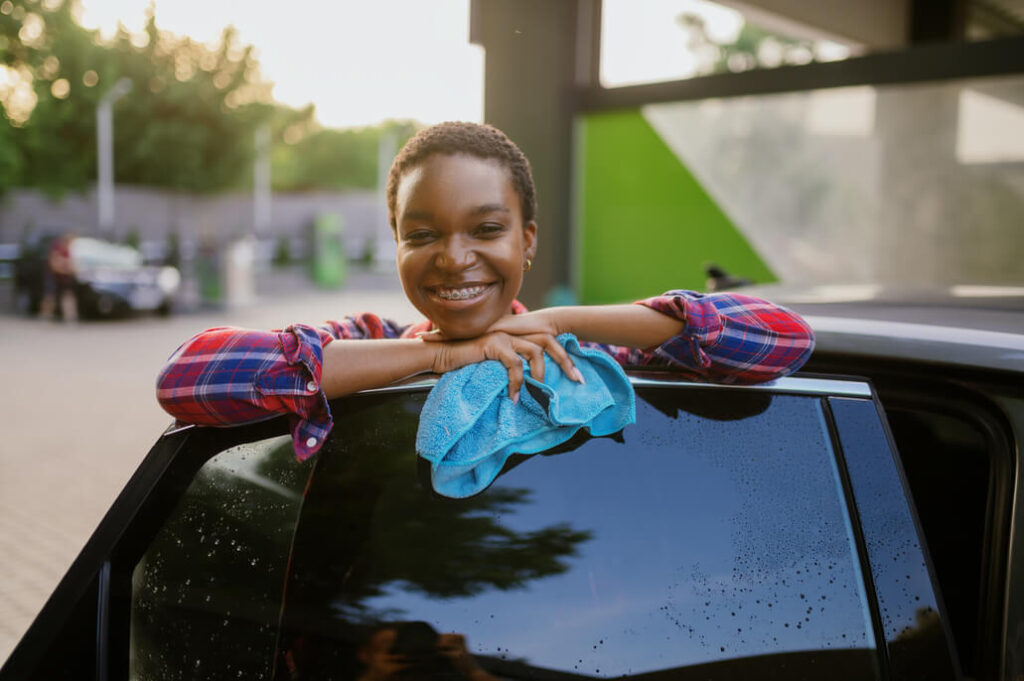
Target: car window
{"type": "Point", "coordinates": [206, 595]}
{"type": "Point", "coordinates": [89, 253]}
{"type": "Point", "coordinates": [711, 535]}
{"type": "Point", "coordinates": [954, 449]}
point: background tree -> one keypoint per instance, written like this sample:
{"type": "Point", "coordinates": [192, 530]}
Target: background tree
{"type": "Point", "coordinates": [753, 47]}
{"type": "Point", "coordinates": [187, 124]}
{"type": "Point", "coordinates": [324, 158]}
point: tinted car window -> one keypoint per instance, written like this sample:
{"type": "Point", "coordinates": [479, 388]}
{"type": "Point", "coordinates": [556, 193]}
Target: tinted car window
{"type": "Point", "coordinates": [910, 614]}
{"type": "Point", "coordinates": [711, 534]}
{"type": "Point", "coordinates": [206, 595]}
{"type": "Point", "coordinates": [959, 454]}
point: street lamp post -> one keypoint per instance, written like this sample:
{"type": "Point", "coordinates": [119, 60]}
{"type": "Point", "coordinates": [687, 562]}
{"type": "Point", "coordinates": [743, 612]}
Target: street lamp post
{"type": "Point", "coordinates": [105, 153]}
{"type": "Point", "coordinates": [261, 182]}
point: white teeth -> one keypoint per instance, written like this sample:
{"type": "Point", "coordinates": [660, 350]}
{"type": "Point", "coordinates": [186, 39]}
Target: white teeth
{"type": "Point", "coordinates": [460, 293]}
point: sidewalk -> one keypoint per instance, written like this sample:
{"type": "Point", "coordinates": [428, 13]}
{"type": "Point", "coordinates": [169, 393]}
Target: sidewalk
{"type": "Point", "coordinates": [78, 414]}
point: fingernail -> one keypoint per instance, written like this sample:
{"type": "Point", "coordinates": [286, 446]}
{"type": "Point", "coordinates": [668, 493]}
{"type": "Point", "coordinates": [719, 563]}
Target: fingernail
{"type": "Point", "coordinates": [579, 377]}
{"type": "Point", "coordinates": [515, 399]}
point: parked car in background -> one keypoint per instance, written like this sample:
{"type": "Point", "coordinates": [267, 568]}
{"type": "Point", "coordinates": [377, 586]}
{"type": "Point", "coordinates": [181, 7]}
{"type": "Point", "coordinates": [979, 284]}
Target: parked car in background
{"type": "Point", "coordinates": [859, 520]}
{"type": "Point", "coordinates": [109, 279]}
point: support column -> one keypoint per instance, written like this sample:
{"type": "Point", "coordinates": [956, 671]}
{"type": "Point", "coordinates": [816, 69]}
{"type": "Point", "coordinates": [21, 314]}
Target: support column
{"type": "Point", "coordinates": [534, 62]}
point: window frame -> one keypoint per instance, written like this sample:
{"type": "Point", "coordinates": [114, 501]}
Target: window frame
{"type": "Point", "coordinates": [824, 388]}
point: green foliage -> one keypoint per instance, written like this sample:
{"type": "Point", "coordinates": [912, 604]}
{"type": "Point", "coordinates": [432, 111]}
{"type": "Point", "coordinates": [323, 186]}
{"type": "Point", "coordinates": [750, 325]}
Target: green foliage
{"type": "Point", "coordinates": [10, 158]}
{"type": "Point", "coordinates": [752, 48]}
{"type": "Point", "coordinates": [335, 159]}
{"type": "Point", "coordinates": [189, 121]}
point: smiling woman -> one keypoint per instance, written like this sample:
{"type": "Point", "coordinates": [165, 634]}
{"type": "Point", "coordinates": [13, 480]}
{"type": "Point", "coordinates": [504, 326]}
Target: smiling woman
{"type": "Point", "coordinates": [461, 202]}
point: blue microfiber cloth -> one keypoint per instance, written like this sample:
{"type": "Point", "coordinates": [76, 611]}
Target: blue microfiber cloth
{"type": "Point", "coordinates": [469, 426]}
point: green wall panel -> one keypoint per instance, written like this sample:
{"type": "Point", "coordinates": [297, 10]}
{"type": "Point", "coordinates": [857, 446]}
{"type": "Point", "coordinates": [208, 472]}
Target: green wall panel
{"type": "Point", "coordinates": [645, 222]}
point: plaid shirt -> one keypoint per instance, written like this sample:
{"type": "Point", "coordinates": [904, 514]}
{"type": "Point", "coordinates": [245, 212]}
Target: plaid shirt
{"type": "Point", "coordinates": [229, 376]}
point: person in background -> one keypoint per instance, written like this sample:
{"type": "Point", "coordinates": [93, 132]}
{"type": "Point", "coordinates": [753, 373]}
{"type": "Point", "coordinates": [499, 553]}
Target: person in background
{"type": "Point", "coordinates": [62, 278]}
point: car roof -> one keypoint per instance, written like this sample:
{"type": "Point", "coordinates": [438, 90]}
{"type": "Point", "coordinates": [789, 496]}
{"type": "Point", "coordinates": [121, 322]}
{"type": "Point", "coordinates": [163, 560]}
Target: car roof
{"type": "Point", "coordinates": [965, 326]}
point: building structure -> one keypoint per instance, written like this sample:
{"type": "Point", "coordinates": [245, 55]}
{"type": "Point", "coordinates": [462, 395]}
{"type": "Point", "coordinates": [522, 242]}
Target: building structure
{"type": "Point", "coordinates": [899, 164]}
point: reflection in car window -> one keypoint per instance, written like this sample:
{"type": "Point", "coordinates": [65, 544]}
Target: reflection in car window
{"type": "Point", "coordinates": [711, 532]}
{"type": "Point", "coordinates": [206, 595]}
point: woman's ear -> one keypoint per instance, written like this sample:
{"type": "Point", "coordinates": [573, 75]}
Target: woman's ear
{"type": "Point", "coordinates": [530, 240]}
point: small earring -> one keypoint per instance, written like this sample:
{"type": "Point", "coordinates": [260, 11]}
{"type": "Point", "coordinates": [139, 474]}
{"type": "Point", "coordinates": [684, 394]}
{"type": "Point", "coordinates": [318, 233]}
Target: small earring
{"type": "Point", "coordinates": [527, 265]}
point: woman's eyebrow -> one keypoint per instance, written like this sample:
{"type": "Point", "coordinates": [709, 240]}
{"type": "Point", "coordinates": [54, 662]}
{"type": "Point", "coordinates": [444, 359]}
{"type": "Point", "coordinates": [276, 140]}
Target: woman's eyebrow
{"type": "Point", "coordinates": [427, 216]}
{"type": "Point", "coordinates": [422, 215]}
{"type": "Point", "coordinates": [490, 208]}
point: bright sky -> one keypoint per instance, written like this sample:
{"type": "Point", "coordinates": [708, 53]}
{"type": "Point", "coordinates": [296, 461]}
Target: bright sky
{"type": "Point", "coordinates": [362, 61]}
{"type": "Point", "coordinates": [358, 61]}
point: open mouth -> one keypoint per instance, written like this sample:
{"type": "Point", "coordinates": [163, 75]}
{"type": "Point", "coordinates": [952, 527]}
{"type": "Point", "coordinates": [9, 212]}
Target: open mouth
{"type": "Point", "coordinates": [459, 292]}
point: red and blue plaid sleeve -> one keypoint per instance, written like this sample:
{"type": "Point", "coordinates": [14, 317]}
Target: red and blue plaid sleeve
{"type": "Point", "coordinates": [229, 376]}
{"type": "Point", "coordinates": [726, 338]}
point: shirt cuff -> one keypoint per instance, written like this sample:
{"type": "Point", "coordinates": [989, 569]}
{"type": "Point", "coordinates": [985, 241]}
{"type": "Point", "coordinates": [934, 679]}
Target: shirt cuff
{"type": "Point", "coordinates": [296, 387]}
{"type": "Point", "coordinates": [702, 326]}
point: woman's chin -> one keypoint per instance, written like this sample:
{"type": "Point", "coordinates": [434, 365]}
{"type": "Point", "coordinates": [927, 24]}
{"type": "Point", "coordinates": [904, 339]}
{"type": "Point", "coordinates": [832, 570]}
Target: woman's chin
{"type": "Point", "coordinates": [461, 331]}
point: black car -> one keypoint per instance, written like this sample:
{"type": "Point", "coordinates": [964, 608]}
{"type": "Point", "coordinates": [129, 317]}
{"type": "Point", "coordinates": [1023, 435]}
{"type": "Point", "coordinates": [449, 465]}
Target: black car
{"type": "Point", "coordinates": [109, 279]}
{"type": "Point", "coordinates": [819, 527]}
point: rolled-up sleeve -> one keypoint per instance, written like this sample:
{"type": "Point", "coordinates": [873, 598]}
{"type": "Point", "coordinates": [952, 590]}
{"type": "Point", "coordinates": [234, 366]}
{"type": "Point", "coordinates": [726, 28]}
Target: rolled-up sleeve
{"type": "Point", "coordinates": [730, 337]}
{"type": "Point", "coordinates": [229, 376]}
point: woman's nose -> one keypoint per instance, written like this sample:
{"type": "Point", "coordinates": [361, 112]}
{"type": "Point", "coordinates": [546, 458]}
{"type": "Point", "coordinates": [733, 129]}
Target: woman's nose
{"type": "Point", "coordinates": [454, 255]}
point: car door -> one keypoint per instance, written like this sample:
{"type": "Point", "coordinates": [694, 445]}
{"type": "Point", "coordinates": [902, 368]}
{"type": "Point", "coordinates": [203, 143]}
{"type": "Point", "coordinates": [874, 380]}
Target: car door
{"type": "Point", "coordinates": [732, 532]}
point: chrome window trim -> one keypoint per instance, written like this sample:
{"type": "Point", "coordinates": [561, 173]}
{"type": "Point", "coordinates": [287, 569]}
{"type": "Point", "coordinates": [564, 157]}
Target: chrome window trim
{"type": "Point", "coordinates": [176, 428]}
{"type": "Point", "coordinates": [793, 385]}
{"type": "Point", "coordinates": [789, 384]}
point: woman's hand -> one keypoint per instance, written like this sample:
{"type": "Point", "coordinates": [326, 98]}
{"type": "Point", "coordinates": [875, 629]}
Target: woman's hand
{"type": "Point", "coordinates": [507, 348]}
{"type": "Point", "coordinates": [549, 321]}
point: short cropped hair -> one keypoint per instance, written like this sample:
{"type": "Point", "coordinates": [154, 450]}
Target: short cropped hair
{"type": "Point", "coordinates": [473, 139]}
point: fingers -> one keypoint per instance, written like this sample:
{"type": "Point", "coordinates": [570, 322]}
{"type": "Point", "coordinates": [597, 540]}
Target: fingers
{"type": "Point", "coordinates": [533, 354]}
{"type": "Point", "coordinates": [432, 336]}
{"type": "Point", "coordinates": [561, 357]}
{"type": "Point", "coordinates": [514, 365]}
{"type": "Point", "coordinates": [533, 349]}
{"type": "Point", "coordinates": [511, 351]}
{"type": "Point", "coordinates": [454, 642]}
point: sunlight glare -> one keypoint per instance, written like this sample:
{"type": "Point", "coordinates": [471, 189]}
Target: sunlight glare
{"type": "Point", "coordinates": [358, 62]}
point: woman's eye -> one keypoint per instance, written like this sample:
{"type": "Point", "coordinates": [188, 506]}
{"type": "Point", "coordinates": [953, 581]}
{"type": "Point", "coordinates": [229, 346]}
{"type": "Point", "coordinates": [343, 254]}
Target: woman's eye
{"type": "Point", "coordinates": [419, 235]}
{"type": "Point", "coordinates": [490, 229]}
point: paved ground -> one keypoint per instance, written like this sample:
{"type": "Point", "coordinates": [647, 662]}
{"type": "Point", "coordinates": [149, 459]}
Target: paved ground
{"type": "Point", "coordinates": [77, 414]}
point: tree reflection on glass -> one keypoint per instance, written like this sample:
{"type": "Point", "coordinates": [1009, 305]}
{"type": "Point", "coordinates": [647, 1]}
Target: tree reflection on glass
{"type": "Point", "coordinates": [385, 529]}
{"type": "Point", "coordinates": [369, 526]}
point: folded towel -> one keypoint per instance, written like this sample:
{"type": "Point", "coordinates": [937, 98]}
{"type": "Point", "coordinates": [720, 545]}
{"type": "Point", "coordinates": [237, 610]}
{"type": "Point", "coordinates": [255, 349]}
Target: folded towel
{"type": "Point", "coordinates": [469, 426]}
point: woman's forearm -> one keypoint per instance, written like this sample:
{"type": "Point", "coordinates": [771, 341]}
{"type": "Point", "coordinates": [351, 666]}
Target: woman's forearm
{"type": "Point", "coordinates": [353, 365]}
{"type": "Point", "coordinates": [633, 326]}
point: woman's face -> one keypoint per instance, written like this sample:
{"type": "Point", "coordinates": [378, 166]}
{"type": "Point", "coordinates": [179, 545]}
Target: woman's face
{"type": "Point", "coordinates": [461, 241]}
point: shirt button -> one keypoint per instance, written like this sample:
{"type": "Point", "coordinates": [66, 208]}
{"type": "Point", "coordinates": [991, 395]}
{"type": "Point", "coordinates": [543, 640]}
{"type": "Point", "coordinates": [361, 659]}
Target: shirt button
{"type": "Point", "coordinates": [311, 442]}
{"type": "Point", "coordinates": [311, 386]}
